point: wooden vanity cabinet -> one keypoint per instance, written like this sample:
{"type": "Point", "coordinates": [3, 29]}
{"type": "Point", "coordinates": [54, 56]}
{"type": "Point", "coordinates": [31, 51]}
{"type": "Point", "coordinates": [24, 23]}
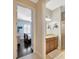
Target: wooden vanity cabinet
{"type": "Point", "coordinates": [51, 44]}
{"type": "Point", "coordinates": [47, 46]}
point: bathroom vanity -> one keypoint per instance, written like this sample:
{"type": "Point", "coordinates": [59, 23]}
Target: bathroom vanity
{"type": "Point", "coordinates": [51, 43]}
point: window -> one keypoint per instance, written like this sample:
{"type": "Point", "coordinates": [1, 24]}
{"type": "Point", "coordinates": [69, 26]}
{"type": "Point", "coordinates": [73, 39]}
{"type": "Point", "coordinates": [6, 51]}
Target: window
{"type": "Point", "coordinates": [27, 28]}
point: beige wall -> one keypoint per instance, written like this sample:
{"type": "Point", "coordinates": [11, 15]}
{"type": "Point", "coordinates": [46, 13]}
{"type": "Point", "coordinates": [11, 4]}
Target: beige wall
{"type": "Point", "coordinates": [14, 31]}
{"type": "Point", "coordinates": [63, 34]}
{"type": "Point", "coordinates": [40, 29]}
{"type": "Point", "coordinates": [26, 3]}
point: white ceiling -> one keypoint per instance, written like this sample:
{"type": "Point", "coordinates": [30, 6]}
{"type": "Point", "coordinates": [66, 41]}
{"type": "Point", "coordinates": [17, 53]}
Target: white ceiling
{"type": "Point", "coordinates": [35, 1]}
{"type": "Point", "coordinates": [53, 4]}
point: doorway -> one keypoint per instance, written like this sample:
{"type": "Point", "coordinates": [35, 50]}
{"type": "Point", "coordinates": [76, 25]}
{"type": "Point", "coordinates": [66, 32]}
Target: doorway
{"type": "Point", "coordinates": [24, 31]}
{"type": "Point", "coordinates": [55, 29]}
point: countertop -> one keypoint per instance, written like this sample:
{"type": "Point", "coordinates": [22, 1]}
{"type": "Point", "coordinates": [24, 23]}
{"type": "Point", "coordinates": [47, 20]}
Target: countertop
{"type": "Point", "coordinates": [50, 35]}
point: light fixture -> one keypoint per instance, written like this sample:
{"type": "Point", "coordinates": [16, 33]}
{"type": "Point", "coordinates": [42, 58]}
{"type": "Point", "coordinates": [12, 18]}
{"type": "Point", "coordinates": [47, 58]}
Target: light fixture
{"type": "Point", "coordinates": [47, 19]}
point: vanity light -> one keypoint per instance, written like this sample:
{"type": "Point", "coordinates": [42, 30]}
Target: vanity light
{"type": "Point", "coordinates": [47, 19]}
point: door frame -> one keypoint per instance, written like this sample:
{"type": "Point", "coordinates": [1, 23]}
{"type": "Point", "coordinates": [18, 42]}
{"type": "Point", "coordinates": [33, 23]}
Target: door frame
{"type": "Point", "coordinates": [33, 20]}
{"type": "Point", "coordinates": [26, 5]}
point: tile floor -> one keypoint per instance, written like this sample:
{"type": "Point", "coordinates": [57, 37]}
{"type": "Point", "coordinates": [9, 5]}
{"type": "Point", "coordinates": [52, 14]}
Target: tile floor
{"type": "Point", "coordinates": [22, 50]}
{"type": "Point", "coordinates": [56, 54]}
{"type": "Point", "coordinates": [30, 56]}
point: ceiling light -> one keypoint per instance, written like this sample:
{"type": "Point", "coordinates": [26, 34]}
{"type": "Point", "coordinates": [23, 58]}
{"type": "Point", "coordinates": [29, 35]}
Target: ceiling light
{"type": "Point", "coordinates": [47, 19]}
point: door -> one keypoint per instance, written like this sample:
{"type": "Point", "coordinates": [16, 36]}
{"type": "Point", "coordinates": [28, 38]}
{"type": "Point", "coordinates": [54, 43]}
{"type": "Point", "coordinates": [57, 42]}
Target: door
{"type": "Point", "coordinates": [25, 30]}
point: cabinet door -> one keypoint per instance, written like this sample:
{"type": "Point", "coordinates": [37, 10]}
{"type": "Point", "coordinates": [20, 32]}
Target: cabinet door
{"type": "Point", "coordinates": [47, 47]}
{"type": "Point", "coordinates": [56, 43]}
{"type": "Point", "coordinates": [52, 44]}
